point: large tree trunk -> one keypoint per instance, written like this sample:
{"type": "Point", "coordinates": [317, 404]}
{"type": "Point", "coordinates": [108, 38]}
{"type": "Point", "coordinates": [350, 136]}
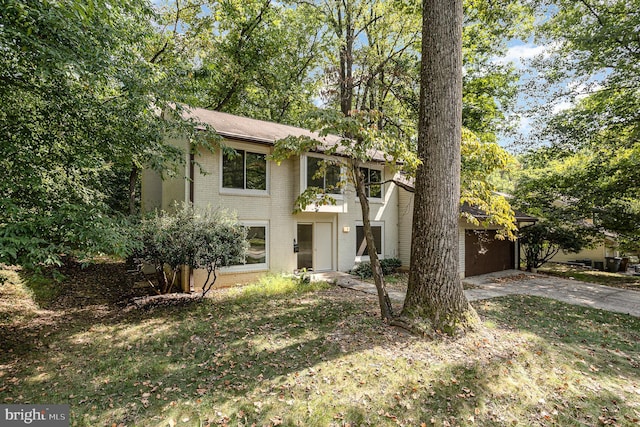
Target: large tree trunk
{"type": "Point", "coordinates": [435, 292]}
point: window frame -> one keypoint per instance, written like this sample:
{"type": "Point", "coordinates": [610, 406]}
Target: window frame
{"type": "Point", "coordinates": [380, 169]}
{"type": "Point", "coordinates": [243, 268]}
{"type": "Point", "coordinates": [364, 257]}
{"type": "Point", "coordinates": [245, 191]}
{"type": "Point", "coordinates": [304, 169]}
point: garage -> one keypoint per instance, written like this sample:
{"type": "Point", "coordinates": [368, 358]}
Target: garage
{"type": "Point", "coordinates": [486, 254]}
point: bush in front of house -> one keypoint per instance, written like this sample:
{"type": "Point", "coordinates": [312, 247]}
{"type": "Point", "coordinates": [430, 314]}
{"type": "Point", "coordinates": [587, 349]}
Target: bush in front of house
{"type": "Point", "coordinates": [197, 238]}
{"type": "Point", "coordinates": [389, 266]}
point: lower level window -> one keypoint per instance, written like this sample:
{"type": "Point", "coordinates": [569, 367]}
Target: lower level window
{"type": "Point", "coordinates": [257, 253]}
{"type": "Point", "coordinates": [361, 242]}
{"type": "Point", "coordinates": [257, 256]}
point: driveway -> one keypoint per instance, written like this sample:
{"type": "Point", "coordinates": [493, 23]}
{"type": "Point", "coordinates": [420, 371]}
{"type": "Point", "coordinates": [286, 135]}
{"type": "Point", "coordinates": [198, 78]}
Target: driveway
{"type": "Point", "coordinates": [570, 291]}
{"type": "Point", "coordinates": [517, 282]}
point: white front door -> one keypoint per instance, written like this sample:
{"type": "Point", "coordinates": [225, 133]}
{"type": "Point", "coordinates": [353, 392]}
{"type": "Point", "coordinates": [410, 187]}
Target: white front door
{"type": "Point", "coordinates": [323, 246]}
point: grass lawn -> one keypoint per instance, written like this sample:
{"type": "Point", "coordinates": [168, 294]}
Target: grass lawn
{"type": "Point", "coordinates": [281, 353]}
{"type": "Point", "coordinates": [618, 280]}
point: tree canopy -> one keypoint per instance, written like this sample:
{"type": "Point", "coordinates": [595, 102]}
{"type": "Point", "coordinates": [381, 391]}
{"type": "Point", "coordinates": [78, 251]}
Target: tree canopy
{"type": "Point", "coordinates": [79, 110]}
{"type": "Point", "coordinates": [85, 84]}
{"type": "Point", "coordinates": [587, 166]}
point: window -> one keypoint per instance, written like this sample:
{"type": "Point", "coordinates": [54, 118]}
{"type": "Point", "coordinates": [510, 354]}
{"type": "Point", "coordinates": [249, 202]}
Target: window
{"type": "Point", "coordinates": [362, 252]}
{"type": "Point", "coordinates": [257, 258]}
{"type": "Point", "coordinates": [244, 171]}
{"type": "Point", "coordinates": [328, 181]}
{"type": "Point", "coordinates": [372, 175]}
{"type": "Point", "coordinates": [257, 252]}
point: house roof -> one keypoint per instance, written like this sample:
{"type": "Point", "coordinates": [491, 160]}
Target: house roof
{"type": "Point", "coordinates": [241, 128]}
{"type": "Point", "coordinates": [263, 132]}
{"type": "Point", "coordinates": [480, 214]}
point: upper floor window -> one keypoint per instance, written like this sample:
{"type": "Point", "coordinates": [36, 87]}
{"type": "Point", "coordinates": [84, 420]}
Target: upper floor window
{"type": "Point", "coordinates": [244, 170]}
{"type": "Point", "coordinates": [327, 179]}
{"type": "Point", "coordinates": [372, 176]}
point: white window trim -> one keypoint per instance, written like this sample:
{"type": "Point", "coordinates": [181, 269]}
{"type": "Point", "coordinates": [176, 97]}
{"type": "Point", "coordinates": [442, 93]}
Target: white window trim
{"type": "Point", "coordinates": [303, 172]}
{"type": "Point", "coordinates": [242, 191]}
{"type": "Point", "coordinates": [373, 224]}
{"type": "Point", "coordinates": [253, 267]}
{"type": "Point", "coordinates": [375, 199]}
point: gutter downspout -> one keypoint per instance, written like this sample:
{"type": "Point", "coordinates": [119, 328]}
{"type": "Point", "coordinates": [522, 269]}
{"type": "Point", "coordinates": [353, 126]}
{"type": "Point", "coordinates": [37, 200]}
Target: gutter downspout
{"type": "Point", "coordinates": [187, 279]}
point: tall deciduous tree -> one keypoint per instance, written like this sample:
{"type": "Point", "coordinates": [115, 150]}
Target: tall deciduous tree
{"type": "Point", "coordinates": [79, 105]}
{"type": "Point", "coordinates": [248, 57]}
{"type": "Point", "coordinates": [372, 42]}
{"type": "Point", "coordinates": [588, 168]}
{"type": "Point", "coordinates": [435, 291]}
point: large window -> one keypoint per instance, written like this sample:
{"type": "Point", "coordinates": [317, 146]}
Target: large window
{"type": "Point", "coordinates": [327, 179]}
{"type": "Point", "coordinates": [257, 253]}
{"type": "Point", "coordinates": [362, 253]}
{"type": "Point", "coordinates": [370, 176]}
{"type": "Point", "coordinates": [244, 171]}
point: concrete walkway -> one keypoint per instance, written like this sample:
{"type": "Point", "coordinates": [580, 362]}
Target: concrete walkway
{"type": "Point", "coordinates": [511, 282]}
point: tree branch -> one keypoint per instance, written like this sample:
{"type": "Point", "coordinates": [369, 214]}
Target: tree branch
{"type": "Point", "coordinates": [603, 25]}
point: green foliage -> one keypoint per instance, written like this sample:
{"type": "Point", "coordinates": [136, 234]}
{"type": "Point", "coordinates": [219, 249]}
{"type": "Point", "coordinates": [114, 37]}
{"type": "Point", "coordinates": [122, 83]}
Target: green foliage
{"type": "Point", "coordinates": [41, 238]}
{"type": "Point", "coordinates": [595, 189]}
{"type": "Point", "coordinates": [195, 238]}
{"type": "Point", "coordinates": [251, 57]}
{"type": "Point", "coordinates": [541, 241]}
{"type": "Point", "coordinates": [80, 96]}
{"type": "Point", "coordinates": [481, 160]}
{"type": "Point", "coordinates": [588, 168]}
{"type": "Point", "coordinates": [389, 266]}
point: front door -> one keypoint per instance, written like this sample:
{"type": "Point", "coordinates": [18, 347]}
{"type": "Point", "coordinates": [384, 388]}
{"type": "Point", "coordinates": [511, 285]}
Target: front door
{"type": "Point", "coordinates": [315, 244]}
{"type": "Point", "coordinates": [323, 246]}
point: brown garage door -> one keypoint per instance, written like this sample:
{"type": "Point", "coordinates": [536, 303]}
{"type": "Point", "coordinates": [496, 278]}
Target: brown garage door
{"type": "Point", "coordinates": [485, 254]}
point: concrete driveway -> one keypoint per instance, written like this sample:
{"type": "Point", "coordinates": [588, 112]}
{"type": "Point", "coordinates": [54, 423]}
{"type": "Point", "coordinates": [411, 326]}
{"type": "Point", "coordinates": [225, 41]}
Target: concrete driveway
{"type": "Point", "coordinates": [512, 282]}
{"type": "Point", "coordinates": [570, 291]}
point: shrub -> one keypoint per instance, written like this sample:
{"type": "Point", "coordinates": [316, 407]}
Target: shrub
{"type": "Point", "coordinates": [364, 271]}
{"type": "Point", "coordinates": [542, 241]}
{"type": "Point", "coordinates": [390, 265]}
{"type": "Point", "coordinates": [196, 238]}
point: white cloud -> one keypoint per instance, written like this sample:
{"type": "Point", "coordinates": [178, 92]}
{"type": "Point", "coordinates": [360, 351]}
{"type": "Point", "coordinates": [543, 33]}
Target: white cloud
{"type": "Point", "coordinates": [520, 52]}
{"type": "Point", "coordinates": [524, 126]}
{"type": "Point", "coordinates": [561, 106]}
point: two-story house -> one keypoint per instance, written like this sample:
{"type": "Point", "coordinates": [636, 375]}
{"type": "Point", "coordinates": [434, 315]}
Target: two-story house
{"type": "Point", "coordinates": [322, 238]}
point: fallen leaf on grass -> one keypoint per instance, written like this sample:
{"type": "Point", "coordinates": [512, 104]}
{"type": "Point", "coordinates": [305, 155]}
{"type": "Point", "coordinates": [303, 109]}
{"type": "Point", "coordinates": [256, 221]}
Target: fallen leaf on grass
{"type": "Point", "coordinates": [276, 421]}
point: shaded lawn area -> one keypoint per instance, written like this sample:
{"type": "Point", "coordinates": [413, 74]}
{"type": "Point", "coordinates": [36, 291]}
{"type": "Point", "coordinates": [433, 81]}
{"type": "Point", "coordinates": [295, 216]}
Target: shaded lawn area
{"type": "Point", "coordinates": [309, 356]}
{"type": "Point", "coordinates": [617, 280]}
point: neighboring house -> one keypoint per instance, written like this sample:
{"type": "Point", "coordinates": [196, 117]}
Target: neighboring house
{"type": "Point", "coordinates": [607, 247]}
{"type": "Point", "coordinates": [322, 238]}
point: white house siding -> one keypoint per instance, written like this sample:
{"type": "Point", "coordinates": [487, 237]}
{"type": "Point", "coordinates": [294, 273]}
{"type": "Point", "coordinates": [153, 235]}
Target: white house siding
{"type": "Point", "coordinates": [461, 249]}
{"type": "Point", "coordinates": [175, 189]}
{"type": "Point", "coordinates": [384, 212]}
{"type": "Point", "coordinates": [405, 212]}
{"type": "Point", "coordinates": [151, 198]}
{"type": "Point", "coordinates": [275, 209]}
